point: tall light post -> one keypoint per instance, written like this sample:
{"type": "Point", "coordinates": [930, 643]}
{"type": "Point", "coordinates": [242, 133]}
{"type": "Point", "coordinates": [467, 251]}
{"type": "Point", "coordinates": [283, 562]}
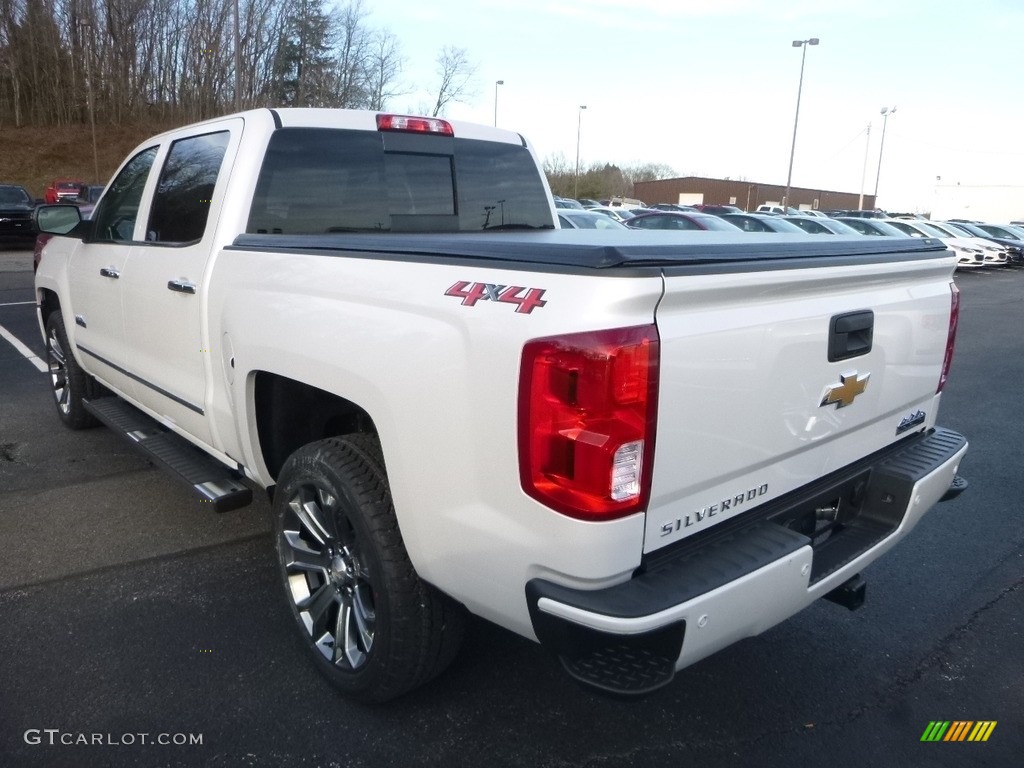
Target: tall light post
{"type": "Point", "coordinates": [92, 105]}
{"type": "Point", "coordinates": [496, 84]}
{"type": "Point", "coordinates": [238, 62]}
{"type": "Point", "coordinates": [579, 126]}
{"type": "Point", "coordinates": [864, 170]}
{"type": "Point", "coordinates": [886, 111]}
{"type": "Point", "coordinates": [792, 150]}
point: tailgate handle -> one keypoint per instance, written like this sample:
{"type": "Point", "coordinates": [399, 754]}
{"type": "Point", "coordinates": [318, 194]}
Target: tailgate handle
{"type": "Point", "coordinates": [850, 335]}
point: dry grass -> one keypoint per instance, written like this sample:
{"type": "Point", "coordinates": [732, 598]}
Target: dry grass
{"type": "Point", "coordinates": [34, 156]}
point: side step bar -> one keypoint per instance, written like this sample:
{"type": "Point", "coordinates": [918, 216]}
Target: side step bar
{"type": "Point", "coordinates": [210, 480]}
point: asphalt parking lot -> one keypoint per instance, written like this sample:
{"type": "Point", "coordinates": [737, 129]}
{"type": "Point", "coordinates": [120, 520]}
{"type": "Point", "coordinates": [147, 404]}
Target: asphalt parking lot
{"type": "Point", "coordinates": [138, 628]}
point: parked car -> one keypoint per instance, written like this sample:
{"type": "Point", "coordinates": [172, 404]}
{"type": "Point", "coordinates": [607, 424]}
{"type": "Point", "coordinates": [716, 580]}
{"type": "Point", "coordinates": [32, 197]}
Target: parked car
{"type": "Point", "coordinates": [672, 207]}
{"type": "Point", "coordinates": [619, 214]}
{"type": "Point", "coordinates": [995, 255]}
{"type": "Point", "coordinates": [871, 227]}
{"type": "Point", "coordinates": [570, 218]}
{"type": "Point", "coordinates": [565, 202]}
{"type": "Point", "coordinates": [1010, 237]}
{"type": "Point", "coordinates": [762, 222]}
{"type": "Point", "coordinates": [717, 210]}
{"type": "Point", "coordinates": [16, 206]}
{"type": "Point", "coordinates": [61, 189]}
{"type": "Point", "coordinates": [777, 210]}
{"type": "Point", "coordinates": [87, 199]}
{"type": "Point", "coordinates": [876, 214]}
{"type": "Point", "coordinates": [818, 225]}
{"type": "Point", "coordinates": [968, 256]}
{"type": "Point", "coordinates": [677, 220]}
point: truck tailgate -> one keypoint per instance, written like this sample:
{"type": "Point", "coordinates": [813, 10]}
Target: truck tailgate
{"type": "Point", "coordinates": [775, 376]}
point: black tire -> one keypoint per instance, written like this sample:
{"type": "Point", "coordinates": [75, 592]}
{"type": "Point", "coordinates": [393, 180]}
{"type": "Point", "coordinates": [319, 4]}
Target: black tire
{"type": "Point", "coordinates": [375, 629]}
{"type": "Point", "coordinates": [69, 384]}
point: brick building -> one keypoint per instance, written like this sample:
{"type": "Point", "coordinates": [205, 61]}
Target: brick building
{"type": "Point", "coordinates": [745, 194]}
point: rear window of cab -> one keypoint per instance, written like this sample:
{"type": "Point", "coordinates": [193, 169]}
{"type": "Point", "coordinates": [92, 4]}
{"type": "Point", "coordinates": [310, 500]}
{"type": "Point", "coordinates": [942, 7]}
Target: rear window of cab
{"type": "Point", "coordinates": [317, 180]}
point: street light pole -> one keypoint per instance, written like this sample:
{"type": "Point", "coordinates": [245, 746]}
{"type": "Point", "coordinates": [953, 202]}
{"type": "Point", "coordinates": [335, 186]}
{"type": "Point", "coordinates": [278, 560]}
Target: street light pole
{"type": "Point", "coordinates": [238, 62]}
{"type": "Point", "coordinates": [92, 105]}
{"type": "Point", "coordinates": [496, 84]}
{"type": "Point", "coordinates": [792, 150]}
{"type": "Point", "coordinates": [886, 111]}
{"type": "Point", "coordinates": [579, 125]}
{"type": "Point", "coordinates": [864, 170]}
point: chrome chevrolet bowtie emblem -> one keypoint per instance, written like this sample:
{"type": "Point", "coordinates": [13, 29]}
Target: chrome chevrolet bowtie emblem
{"type": "Point", "coordinates": [842, 394]}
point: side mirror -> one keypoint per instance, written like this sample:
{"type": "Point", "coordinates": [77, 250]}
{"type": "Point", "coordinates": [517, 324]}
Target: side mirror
{"type": "Point", "coordinates": [57, 219]}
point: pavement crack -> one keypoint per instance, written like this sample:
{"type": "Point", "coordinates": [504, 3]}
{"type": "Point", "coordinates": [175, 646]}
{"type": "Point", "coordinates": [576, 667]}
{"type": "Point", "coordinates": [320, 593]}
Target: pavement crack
{"type": "Point", "coordinates": [11, 452]}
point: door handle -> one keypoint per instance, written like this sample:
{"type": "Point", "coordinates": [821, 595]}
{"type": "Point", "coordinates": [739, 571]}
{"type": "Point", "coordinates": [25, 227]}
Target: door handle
{"type": "Point", "coordinates": [110, 272]}
{"type": "Point", "coordinates": [181, 286]}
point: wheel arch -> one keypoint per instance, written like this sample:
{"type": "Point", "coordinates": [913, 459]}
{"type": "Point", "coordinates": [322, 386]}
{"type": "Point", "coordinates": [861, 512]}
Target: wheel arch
{"type": "Point", "coordinates": [48, 302]}
{"type": "Point", "coordinates": [291, 414]}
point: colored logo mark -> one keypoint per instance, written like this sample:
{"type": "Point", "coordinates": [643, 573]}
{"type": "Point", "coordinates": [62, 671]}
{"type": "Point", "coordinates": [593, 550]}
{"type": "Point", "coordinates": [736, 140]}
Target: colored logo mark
{"type": "Point", "coordinates": [959, 730]}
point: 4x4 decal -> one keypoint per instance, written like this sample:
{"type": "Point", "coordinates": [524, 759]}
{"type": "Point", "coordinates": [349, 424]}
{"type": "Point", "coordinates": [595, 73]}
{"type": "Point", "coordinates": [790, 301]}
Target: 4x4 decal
{"type": "Point", "coordinates": [471, 293]}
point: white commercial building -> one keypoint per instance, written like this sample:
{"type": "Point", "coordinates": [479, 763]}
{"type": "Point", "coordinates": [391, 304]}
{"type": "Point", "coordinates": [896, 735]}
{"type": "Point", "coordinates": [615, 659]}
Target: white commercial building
{"type": "Point", "coordinates": [994, 203]}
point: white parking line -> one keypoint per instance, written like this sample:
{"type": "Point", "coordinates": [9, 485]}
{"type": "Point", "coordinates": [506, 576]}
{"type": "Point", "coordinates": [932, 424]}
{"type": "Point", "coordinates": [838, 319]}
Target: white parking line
{"type": "Point", "coordinates": [16, 303]}
{"type": "Point", "coordinates": [25, 351]}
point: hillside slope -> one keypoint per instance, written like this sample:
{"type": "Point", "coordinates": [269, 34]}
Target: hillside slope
{"type": "Point", "coordinates": [33, 156]}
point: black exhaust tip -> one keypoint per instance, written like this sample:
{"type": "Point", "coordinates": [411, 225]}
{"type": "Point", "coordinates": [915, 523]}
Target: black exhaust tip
{"type": "Point", "coordinates": [850, 593]}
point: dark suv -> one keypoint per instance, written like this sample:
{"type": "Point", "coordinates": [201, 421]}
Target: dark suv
{"type": "Point", "coordinates": [16, 206]}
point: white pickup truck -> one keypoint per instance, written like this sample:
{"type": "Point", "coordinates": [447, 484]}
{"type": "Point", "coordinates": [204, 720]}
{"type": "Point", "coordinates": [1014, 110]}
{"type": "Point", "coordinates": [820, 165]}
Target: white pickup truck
{"type": "Point", "coordinates": [636, 448]}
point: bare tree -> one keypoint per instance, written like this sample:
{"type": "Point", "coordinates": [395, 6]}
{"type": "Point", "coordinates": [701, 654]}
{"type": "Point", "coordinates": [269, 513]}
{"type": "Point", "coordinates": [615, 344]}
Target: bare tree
{"type": "Point", "coordinates": [174, 59]}
{"type": "Point", "coordinates": [647, 172]}
{"type": "Point", "coordinates": [352, 55]}
{"type": "Point", "coordinates": [384, 67]}
{"type": "Point", "coordinates": [456, 73]}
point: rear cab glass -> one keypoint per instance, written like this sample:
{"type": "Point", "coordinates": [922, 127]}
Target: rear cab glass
{"type": "Point", "coordinates": [319, 180]}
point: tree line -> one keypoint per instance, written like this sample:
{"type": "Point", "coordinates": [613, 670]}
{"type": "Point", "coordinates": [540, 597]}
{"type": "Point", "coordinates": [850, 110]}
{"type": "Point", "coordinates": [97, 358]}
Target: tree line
{"type": "Point", "coordinates": [600, 180]}
{"type": "Point", "coordinates": [175, 60]}
{"type": "Point", "coordinates": [67, 62]}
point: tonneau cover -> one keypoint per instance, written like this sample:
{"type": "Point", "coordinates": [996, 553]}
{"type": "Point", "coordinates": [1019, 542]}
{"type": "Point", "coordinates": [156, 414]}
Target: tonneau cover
{"type": "Point", "coordinates": [605, 250]}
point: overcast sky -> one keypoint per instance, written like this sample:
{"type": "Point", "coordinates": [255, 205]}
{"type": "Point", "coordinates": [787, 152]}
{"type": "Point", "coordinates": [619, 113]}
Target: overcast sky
{"type": "Point", "coordinates": [709, 87]}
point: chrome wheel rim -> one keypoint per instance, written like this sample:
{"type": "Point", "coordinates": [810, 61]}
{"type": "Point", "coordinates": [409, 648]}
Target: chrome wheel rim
{"type": "Point", "coordinates": [58, 372]}
{"type": "Point", "coordinates": [326, 577]}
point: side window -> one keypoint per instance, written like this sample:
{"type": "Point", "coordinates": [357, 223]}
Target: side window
{"type": "Point", "coordinates": [181, 203]}
{"type": "Point", "coordinates": [116, 214]}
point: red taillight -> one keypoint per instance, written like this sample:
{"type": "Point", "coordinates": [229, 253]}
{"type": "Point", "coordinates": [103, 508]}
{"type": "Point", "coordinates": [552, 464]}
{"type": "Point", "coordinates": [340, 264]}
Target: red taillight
{"type": "Point", "coordinates": [954, 318]}
{"type": "Point", "coordinates": [587, 409]}
{"type": "Point", "coordinates": [409, 124]}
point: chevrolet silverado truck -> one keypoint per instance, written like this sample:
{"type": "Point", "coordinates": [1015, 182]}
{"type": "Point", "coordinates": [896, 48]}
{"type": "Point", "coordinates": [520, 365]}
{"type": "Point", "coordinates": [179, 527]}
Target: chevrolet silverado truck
{"type": "Point", "coordinates": [633, 447]}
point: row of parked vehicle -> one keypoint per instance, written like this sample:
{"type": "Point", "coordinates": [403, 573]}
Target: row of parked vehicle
{"type": "Point", "coordinates": [976, 244]}
{"type": "Point", "coordinates": [17, 206]}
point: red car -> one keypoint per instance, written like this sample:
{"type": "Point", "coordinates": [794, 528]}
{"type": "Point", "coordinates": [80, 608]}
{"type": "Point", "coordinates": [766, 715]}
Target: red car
{"type": "Point", "coordinates": [62, 189]}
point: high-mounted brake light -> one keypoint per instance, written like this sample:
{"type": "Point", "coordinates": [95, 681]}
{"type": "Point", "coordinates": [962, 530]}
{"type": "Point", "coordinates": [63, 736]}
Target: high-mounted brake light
{"type": "Point", "coordinates": [954, 319]}
{"type": "Point", "coordinates": [409, 124]}
{"type": "Point", "coordinates": [587, 412]}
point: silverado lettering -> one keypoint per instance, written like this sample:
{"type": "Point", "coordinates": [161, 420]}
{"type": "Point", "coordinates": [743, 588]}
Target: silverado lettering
{"type": "Point", "coordinates": [710, 511]}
